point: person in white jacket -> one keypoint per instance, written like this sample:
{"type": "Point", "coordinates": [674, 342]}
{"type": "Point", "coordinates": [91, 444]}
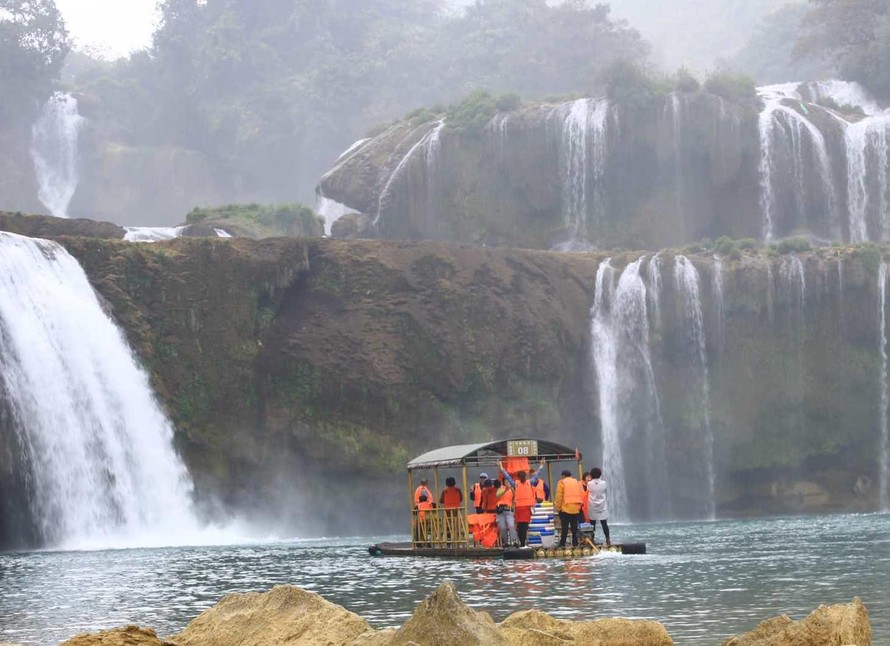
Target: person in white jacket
{"type": "Point", "coordinates": [597, 506]}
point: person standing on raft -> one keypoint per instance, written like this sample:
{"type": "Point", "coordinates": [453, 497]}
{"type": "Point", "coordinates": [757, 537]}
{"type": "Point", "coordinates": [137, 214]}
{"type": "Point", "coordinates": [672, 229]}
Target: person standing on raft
{"type": "Point", "coordinates": [476, 493]}
{"type": "Point", "coordinates": [569, 497]}
{"type": "Point", "coordinates": [597, 507]}
{"type": "Point", "coordinates": [526, 497]}
{"type": "Point", "coordinates": [506, 519]}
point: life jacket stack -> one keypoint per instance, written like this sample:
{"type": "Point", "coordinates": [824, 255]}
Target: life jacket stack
{"type": "Point", "coordinates": [541, 530]}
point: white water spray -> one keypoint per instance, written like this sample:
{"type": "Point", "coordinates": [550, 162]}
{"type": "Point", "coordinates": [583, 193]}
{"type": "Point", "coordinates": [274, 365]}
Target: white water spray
{"type": "Point", "coordinates": [54, 152]}
{"type": "Point", "coordinates": [630, 409]}
{"type": "Point", "coordinates": [687, 282]}
{"type": "Point", "coordinates": [430, 143]}
{"type": "Point", "coordinates": [868, 176]}
{"type": "Point", "coordinates": [583, 167]}
{"type": "Point", "coordinates": [152, 234]}
{"type": "Point", "coordinates": [884, 452]}
{"type": "Point", "coordinates": [97, 447]}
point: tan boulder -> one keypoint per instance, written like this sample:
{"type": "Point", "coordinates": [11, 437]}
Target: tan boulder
{"type": "Point", "coordinates": [839, 625]}
{"type": "Point", "coordinates": [128, 636]}
{"type": "Point", "coordinates": [444, 620]}
{"type": "Point", "coordinates": [535, 628]}
{"type": "Point", "coordinates": [284, 616]}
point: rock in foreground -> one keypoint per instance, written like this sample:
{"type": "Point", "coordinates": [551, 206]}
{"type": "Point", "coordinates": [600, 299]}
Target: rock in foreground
{"type": "Point", "coordinates": [841, 625]}
{"type": "Point", "coordinates": [290, 616]}
{"type": "Point", "coordinates": [285, 616]}
{"type": "Point", "coordinates": [128, 636]}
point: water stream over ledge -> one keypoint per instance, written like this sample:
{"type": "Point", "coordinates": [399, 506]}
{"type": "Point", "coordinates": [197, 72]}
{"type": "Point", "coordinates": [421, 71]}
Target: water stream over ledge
{"type": "Point", "coordinates": [704, 581]}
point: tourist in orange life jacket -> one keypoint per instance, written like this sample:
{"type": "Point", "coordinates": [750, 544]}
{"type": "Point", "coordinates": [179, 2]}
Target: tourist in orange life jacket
{"type": "Point", "coordinates": [490, 497]}
{"type": "Point", "coordinates": [569, 496]}
{"type": "Point", "coordinates": [506, 520]}
{"type": "Point", "coordinates": [423, 502]}
{"type": "Point", "coordinates": [451, 497]}
{"type": "Point", "coordinates": [526, 497]}
{"type": "Point", "coordinates": [536, 477]}
{"type": "Point", "coordinates": [476, 493]}
{"type": "Point", "coordinates": [423, 489]}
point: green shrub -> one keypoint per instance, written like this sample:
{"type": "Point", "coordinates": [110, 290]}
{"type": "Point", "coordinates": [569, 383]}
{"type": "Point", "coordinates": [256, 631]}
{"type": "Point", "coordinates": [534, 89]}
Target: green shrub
{"type": "Point", "coordinates": [263, 219]}
{"type": "Point", "coordinates": [727, 247]}
{"type": "Point", "coordinates": [735, 88]}
{"type": "Point", "coordinates": [420, 116]}
{"type": "Point", "coordinates": [793, 245]}
{"type": "Point", "coordinates": [685, 82]}
{"type": "Point", "coordinates": [748, 243]}
{"type": "Point", "coordinates": [631, 85]}
{"type": "Point", "coordinates": [472, 114]}
{"type": "Point", "coordinates": [508, 102]}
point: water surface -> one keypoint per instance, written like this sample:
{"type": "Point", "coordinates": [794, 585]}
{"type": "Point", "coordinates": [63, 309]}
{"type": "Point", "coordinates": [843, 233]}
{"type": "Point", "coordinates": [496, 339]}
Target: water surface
{"type": "Point", "coordinates": [704, 581]}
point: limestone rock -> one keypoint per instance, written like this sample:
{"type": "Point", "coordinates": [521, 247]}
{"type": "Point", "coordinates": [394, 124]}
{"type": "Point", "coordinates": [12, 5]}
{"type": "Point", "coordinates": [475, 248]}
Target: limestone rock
{"type": "Point", "coordinates": [535, 628]}
{"type": "Point", "coordinates": [284, 616]}
{"type": "Point", "coordinates": [444, 620]}
{"type": "Point", "coordinates": [128, 636]}
{"type": "Point", "coordinates": [42, 226]}
{"type": "Point", "coordinates": [351, 227]}
{"type": "Point", "coordinates": [838, 625]}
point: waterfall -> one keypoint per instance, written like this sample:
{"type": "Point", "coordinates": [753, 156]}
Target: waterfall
{"type": "Point", "coordinates": [54, 152]}
{"type": "Point", "coordinates": [791, 145]}
{"type": "Point", "coordinates": [330, 210]}
{"type": "Point", "coordinates": [717, 287]}
{"type": "Point", "coordinates": [630, 410]}
{"type": "Point", "coordinates": [655, 289]}
{"type": "Point", "coordinates": [152, 234]}
{"type": "Point", "coordinates": [430, 143]}
{"type": "Point", "coordinates": [884, 452]}
{"type": "Point", "coordinates": [868, 176]}
{"type": "Point", "coordinates": [582, 167]}
{"type": "Point", "coordinates": [687, 283]}
{"type": "Point", "coordinates": [97, 449]}
{"type": "Point", "coordinates": [673, 114]}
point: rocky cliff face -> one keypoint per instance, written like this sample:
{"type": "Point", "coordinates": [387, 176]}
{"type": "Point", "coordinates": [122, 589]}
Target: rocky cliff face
{"type": "Point", "coordinates": [297, 371]}
{"type": "Point", "coordinates": [808, 159]}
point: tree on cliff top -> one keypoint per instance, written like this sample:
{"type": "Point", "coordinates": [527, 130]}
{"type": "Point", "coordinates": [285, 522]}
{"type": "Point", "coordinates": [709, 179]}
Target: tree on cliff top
{"type": "Point", "coordinates": [33, 46]}
{"type": "Point", "coordinates": [856, 34]}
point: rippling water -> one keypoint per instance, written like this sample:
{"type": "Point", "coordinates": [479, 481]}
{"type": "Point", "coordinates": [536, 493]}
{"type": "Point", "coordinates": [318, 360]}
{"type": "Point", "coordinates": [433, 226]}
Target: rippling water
{"type": "Point", "coordinates": [704, 581]}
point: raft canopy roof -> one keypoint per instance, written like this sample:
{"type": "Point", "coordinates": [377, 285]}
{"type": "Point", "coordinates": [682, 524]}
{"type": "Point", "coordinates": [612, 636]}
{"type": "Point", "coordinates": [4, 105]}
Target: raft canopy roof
{"type": "Point", "coordinates": [490, 453]}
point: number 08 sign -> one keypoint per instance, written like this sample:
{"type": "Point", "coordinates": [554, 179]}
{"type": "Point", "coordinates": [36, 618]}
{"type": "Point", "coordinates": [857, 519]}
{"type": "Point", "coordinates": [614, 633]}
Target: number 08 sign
{"type": "Point", "coordinates": [522, 448]}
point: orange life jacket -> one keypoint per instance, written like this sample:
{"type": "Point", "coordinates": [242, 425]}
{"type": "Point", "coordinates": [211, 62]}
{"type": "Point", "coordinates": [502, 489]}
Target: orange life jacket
{"type": "Point", "coordinates": [423, 507]}
{"type": "Point", "coordinates": [540, 494]}
{"type": "Point", "coordinates": [477, 495]}
{"type": "Point", "coordinates": [422, 490]}
{"type": "Point", "coordinates": [525, 494]}
{"type": "Point", "coordinates": [506, 498]}
{"type": "Point", "coordinates": [452, 498]}
{"type": "Point", "coordinates": [572, 493]}
{"type": "Point", "coordinates": [490, 499]}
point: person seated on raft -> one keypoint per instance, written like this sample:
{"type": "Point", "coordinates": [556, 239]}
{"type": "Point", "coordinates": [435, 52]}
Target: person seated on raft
{"type": "Point", "coordinates": [526, 497]}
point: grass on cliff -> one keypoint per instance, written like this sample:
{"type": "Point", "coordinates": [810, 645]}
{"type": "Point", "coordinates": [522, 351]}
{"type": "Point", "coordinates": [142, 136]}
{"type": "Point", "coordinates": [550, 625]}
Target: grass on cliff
{"type": "Point", "coordinates": [262, 220]}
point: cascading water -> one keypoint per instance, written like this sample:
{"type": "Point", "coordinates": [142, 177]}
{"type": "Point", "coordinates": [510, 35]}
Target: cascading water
{"type": "Point", "coordinates": [884, 451]}
{"type": "Point", "coordinates": [655, 289]}
{"type": "Point", "coordinates": [630, 410]}
{"type": "Point", "coordinates": [686, 280]}
{"type": "Point", "coordinates": [868, 176]}
{"type": "Point", "coordinates": [582, 166]}
{"type": "Point", "coordinates": [152, 234]}
{"type": "Point", "coordinates": [430, 143]}
{"type": "Point", "coordinates": [717, 288]}
{"type": "Point", "coordinates": [54, 152]}
{"type": "Point", "coordinates": [791, 145]}
{"type": "Point", "coordinates": [674, 116]}
{"type": "Point", "coordinates": [331, 211]}
{"type": "Point", "coordinates": [97, 449]}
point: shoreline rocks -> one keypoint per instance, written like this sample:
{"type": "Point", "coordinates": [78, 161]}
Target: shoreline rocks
{"type": "Point", "coordinates": [290, 616]}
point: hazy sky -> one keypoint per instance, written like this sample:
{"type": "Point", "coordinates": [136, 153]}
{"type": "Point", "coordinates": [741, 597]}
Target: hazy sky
{"type": "Point", "coordinates": [114, 27]}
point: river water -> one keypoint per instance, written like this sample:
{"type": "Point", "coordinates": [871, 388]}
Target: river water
{"type": "Point", "coordinates": [704, 581]}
